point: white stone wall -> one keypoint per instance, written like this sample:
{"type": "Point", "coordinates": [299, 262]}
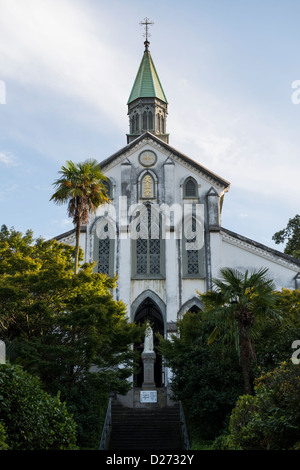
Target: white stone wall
{"type": "Point", "coordinates": [241, 255]}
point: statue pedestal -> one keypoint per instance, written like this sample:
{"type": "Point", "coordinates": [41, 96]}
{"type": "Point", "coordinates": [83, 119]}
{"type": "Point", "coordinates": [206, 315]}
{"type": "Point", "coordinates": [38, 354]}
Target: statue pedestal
{"type": "Point", "coordinates": [148, 359]}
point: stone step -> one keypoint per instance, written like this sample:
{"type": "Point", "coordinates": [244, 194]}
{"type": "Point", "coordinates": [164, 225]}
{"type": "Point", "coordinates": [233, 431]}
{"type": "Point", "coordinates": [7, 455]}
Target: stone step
{"type": "Point", "coordinates": [156, 428]}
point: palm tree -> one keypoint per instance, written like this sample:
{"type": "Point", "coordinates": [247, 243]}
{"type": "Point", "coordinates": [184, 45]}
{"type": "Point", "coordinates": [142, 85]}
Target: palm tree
{"type": "Point", "coordinates": [237, 305]}
{"type": "Point", "coordinates": [82, 186]}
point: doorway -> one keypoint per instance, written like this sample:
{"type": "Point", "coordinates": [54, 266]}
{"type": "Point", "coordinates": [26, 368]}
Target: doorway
{"type": "Point", "coordinates": [149, 311]}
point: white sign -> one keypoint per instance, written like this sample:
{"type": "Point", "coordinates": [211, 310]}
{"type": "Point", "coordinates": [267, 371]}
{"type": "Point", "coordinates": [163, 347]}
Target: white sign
{"type": "Point", "coordinates": [148, 396]}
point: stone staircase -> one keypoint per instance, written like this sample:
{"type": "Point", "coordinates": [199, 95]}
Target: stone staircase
{"type": "Point", "coordinates": [156, 428]}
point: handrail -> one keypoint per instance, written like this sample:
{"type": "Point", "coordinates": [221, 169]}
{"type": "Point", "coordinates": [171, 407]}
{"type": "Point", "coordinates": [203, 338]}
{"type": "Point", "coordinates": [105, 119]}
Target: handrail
{"type": "Point", "coordinates": [106, 428]}
{"type": "Point", "coordinates": [184, 428]}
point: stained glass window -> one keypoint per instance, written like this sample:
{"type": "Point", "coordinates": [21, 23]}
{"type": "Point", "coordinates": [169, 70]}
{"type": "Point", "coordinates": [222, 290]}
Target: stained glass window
{"type": "Point", "coordinates": [104, 251]}
{"type": "Point", "coordinates": [147, 249]}
{"type": "Point", "coordinates": [192, 252]}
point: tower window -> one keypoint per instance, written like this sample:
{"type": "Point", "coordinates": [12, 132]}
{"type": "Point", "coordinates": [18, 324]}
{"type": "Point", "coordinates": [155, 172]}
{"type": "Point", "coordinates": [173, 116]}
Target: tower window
{"type": "Point", "coordinates": [150, 120]}
{"type": "Point", "coordinates": [144, 120]}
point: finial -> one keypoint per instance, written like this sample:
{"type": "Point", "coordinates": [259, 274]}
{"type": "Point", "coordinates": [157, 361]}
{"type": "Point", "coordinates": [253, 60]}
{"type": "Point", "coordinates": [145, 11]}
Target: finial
{"type": "Point", "coordinates": [146, 23]}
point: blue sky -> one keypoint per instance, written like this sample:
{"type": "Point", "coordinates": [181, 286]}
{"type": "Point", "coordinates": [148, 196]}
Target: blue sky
{"type": "Point", "coordinates": [226, 66]}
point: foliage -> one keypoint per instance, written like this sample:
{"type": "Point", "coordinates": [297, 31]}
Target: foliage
{"type": "Point", "coordinates": [206, 378]}
{"type": "Point", "coordinates": [65, 328]}
{"type": "Point", "coordinates": [291, 235]}
{"type": "Point", "coordinates": [274, 344]}
{"type": "Point", "coordinates": [3, 438]}
{"type": "Point", "coordinates": [237, 306]}
{"type": "Point", "coordinates": [270, 420]}
{"type": "Point", "coordinates": [33, 419]}
{"type": "Point", "coordinates": [82, 186]}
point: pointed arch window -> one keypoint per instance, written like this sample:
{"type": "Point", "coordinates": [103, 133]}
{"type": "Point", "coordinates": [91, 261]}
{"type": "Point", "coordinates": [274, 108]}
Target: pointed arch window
{"type": "Point", "coordinates": [135, 123]}
{"type": "Point", "coordinates": [109, 188]}
{"type": "Point", "coordinates": [147, 186]}
{"type": "Point", "coordinates": [190, 188]}
{"type": "Point", "coordinates": [148, 245]}
{"type": "Point", "coordinates": [150, 120]}
{"type": "Point", "coordinates": [158, 122]}
{"type": "Point", "coordinates": [104, 248]}
{"type": "Point", "coordinates": [144, 120]}
{"type": "Point", "coordinates": [192, 250]}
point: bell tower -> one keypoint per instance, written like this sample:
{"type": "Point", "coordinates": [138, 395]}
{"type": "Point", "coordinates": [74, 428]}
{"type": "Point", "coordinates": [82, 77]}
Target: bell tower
{"type": "Point", "coordinates": [147, 103]}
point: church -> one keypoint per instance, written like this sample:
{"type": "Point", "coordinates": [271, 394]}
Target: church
{"type": "Point", "coordinates": [162, 233]}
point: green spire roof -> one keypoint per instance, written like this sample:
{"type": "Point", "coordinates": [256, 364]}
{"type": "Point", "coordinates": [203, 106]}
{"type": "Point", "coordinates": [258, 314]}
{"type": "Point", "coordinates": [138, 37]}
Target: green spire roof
{"type": "Point", "coordinates": [147, 83]}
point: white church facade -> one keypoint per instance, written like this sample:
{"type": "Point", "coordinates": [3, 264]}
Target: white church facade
{"type": "Point", "coordinates": [162, 234]}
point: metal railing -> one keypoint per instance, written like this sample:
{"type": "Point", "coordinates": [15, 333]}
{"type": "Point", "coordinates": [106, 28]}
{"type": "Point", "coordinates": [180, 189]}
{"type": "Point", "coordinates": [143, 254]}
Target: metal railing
{"type": "Point", "coordinates": [106, 428]}
{"type": "Point", "coordinates": [184, 428]}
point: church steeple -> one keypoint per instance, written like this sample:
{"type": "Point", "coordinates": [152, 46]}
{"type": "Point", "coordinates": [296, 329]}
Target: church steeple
{"type": "Point", "coordinates": [147, 103]}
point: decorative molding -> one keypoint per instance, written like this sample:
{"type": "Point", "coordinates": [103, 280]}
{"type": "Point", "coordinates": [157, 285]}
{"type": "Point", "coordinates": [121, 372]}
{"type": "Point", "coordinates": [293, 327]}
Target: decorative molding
{"type": "Point", "coordinates": [259, 250]}
{"type": "Point", "coordinates": [168, 153]}
{"type": "Point", "coordinates": [70, 240]}
{"type": "Point", "coordinates": [147, 158]}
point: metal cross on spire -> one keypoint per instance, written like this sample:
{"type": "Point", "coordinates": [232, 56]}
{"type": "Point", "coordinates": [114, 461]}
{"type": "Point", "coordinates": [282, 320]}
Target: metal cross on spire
{"type": "Point", "coordinates": [146, 23]}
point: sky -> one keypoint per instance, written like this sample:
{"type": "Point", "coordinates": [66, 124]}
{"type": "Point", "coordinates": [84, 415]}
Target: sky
{"type": "Point", "coordinates": [230, 70]}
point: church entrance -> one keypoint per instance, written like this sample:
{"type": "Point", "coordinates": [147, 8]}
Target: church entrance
{"type": "Point", "coordinates": [149, 311]}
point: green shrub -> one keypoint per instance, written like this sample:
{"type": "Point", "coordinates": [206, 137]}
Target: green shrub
{"type": "Point", "coordinates": [33, 419]}
{"type": "Point", "coordinates": [3, 444]}
{"type": "Point", "coordinates": [269, 420]}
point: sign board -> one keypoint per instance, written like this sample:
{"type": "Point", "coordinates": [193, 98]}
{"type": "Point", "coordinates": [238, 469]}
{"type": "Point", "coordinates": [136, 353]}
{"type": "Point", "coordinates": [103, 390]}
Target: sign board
{"type": "Point", "coordinates": [148, 396]}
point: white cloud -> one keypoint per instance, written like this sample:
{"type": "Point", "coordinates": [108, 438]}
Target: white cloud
{"type": "Point", "coordinates": [57, 44]}
{"type": "Point", "coordinates": [240, 142]}
{"type": "Point", "coordinates": [8, 158]}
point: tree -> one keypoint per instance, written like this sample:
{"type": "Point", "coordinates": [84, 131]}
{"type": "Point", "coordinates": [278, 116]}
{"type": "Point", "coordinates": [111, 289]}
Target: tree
{"type": "Point", "coordinates": [61, 326]}
{"type": "Point", "coordinates": [82, 187]}
{"type": "Point", "coordinates": [31, 418]}
{"type": "Point", "coordinates": [236, 306]}
{"type": "Point", "coordinates": [206, 378]}
{"type": "Point", "coordinates": [275, 342]}
{"type": "Point", "coordinates": [291, 235]}
{"type": "Point", "coordinates": [270, 419]}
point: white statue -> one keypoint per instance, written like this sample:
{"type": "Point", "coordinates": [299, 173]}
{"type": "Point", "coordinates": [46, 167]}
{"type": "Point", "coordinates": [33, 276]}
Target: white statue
{"type": "Point", "coordinates": [148, 344]}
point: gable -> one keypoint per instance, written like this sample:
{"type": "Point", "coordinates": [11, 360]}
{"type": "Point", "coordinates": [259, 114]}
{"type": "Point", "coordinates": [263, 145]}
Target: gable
{"type": "Point", "coordinates": [129, 155]}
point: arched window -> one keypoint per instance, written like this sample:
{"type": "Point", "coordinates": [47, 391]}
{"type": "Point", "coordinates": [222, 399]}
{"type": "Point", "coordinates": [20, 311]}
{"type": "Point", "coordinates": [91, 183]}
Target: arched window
{"type": "Point", "coordinates": [190, 188]}
{"type": "Point", "coordinates": [150, 120]}
{"type": "Point", "coordinates": [147, 186]}
{"type": "Point", "coordinates": [104, 247]}
{"type": "Point", "coordinates": [109, 188]}
{"type": "Point", "coordinates": [144, 120]}
{"type": "Point", "coordinates": [135, 123]}
{"type": "Point", "coordinates": [192, 250]}
{"type": "Point", "coordinates": [148, 245]}
{"type": "Point", "coordinates": [195, 309]}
